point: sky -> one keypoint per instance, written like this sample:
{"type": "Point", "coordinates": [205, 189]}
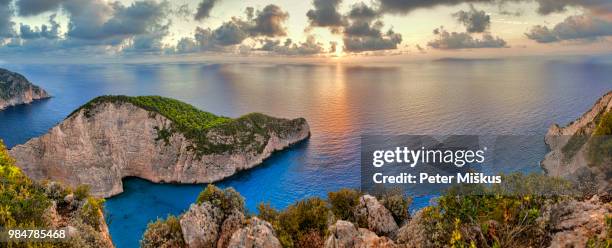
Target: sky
{"type": "Point", "coordinates": [322, 29]}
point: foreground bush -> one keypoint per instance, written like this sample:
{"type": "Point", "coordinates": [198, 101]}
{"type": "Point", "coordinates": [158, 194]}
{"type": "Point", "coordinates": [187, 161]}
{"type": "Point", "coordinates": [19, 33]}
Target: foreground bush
{"type": "Point", "coordinates": [508, 215]}
{"type": "Point", "coordinates": [227, 200]}
{"type": "Point", "coordinates": [26, 204]}
{"type": "Point", "coordinates": [343, 203]}
{"type": "Point", "coordinates": [302, 223]}
{"type": "Point", "coordinates": [164, 234]}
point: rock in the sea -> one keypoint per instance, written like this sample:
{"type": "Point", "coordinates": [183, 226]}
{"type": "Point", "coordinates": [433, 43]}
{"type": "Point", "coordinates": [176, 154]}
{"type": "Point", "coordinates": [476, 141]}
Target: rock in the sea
{"type": "Point", "coordinates": [574, 148]}
{"type": "Point", "coordinates": [375, 215]}
{"type": "Point", "coordinates": [345, 234]}
{"type": "Point", "coordinates": [15, 89]}
{"type": "Point", "coordinates": [573, 223]}
{"type": "Point", "coordinates": [155, 138]}
{"type": "Point", "coordinates": [256, 234]}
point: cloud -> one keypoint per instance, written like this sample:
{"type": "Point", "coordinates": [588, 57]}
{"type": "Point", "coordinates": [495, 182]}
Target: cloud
{"type": "Point", "coordinates": [325, 14]}
{"type": "Point", "coordinates": [580, 27]}
{"type": "Point", "coordinates": [7, 29]}
{"type": "Point", "coordinates": [363, 32]}
{"type": "Point", "coordinates": [475, 21]}
{"type": "Point", "coordinates": [555, 6]}
{"type": "Point", "coordinates": [404, 6]}
{"type": "Point", "coordinates": [420, 48]}
{"type": "Point", "coordinates": [454, 40]}
{"type": "Point", "coordinates": [269, 22]}
{"type": "Point", "coordinates": [289, 48]}
{"type": "Point", "coordinates": [50, 31]}
{"type": "Point", "coordinates": [362, 11]}
{"type": "Point", "coordinates": [35, 7]}
{"type": "Point", "coordinates": [204, 9]}
{"type": "Point", "coordinates": [545, 7]}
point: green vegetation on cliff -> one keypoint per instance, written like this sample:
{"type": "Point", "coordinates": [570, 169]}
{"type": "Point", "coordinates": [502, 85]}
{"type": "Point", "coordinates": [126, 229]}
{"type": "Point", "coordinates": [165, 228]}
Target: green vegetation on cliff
{"type": "Point", "coordinates": [26, 204]}
{"type": "Point", "coordinates": [250, 132]}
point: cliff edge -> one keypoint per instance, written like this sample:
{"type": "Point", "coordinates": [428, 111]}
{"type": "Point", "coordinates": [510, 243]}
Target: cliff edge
{"type": "Point", "coordinates": [582, 150]}
{"type": "Point", "coordinates": [15, 89]}
{"type": "Point", "coordinates": [154, 138]}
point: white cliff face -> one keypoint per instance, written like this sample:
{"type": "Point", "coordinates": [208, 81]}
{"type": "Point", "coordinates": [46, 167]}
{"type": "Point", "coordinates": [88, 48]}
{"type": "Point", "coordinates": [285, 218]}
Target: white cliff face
{"type": "Point", "coordinates": [559, 139]}
{"type": "Point", "coordinates": [121, 140]}
{"type": "Point", "coordinates": [15, 89]}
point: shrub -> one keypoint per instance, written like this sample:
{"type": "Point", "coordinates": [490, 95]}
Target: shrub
{"type": "Point", "coordinates": [81, 192]}
{"type": "Point", "coordinates": [164, 234]}
{"type": "Point", "coordinates": [343, 203]}
{"type": "Point", "coordinates": [397, 204]}
{"type": "Point", "coordinates": [502, 216]}
{"type": "Point", "coordinates": [227, 200]}
{"type": "Point", "coordinates": [91, 212]}
{"type": "Point", "coordinates": [301, 222]}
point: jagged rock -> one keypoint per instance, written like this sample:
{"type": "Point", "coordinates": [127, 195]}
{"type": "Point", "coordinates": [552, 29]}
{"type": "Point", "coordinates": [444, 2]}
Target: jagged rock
{"type": "Point", "coordinates": [256, 234]}
{"type": "Point", "coordinates": [573, 223]}
{"type": "Point", "coordinates": [234, 221]}
{"type": "Point", "coordinates": [413, 234]}
{"type": "Point", "coordinates": [568, 156]}
{"type": "Point", "coordinates": [375, 215]}
{"type": "Point", "coordinates": [345, 234]}
{"type": "Point", "coordinates": [15, 89]}
{"type": "Point", "coordinates": [112, 138]}
{"type": "Point", "coordinates": [200, 225]}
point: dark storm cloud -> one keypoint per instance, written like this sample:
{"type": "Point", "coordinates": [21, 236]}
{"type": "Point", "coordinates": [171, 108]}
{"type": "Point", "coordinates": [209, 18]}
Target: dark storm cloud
{"type": "Point", "coordinates": [7, 29]}
{"type": "Point", "coordinates": [363, 32]}
{"type": "Point", "coordinates": [204, 9]}
{"type": "Point", "coordinates": [452, 40]}
{"type": "Point", "coordinates": [475, 21]}
{"type": "Point", "coordinates": [35, 7]}
{"type": "Point", "coordinates": [362, 11]}
{"type": "Point", "coordinates": [269, 22]}
{"type": "Point", "coordinates": [544, 6]}
{"type": "Point", "coordinates": [406, 6]}
{"type": "Point", "coordinates": [325, 14]}
{"type": "Point", "coordinates": [581, 27]}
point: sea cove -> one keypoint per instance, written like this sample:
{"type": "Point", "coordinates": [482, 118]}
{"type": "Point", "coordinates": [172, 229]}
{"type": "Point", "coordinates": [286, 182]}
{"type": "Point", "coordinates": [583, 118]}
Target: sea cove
{"type": "Point", "coordinates": [341, 102]}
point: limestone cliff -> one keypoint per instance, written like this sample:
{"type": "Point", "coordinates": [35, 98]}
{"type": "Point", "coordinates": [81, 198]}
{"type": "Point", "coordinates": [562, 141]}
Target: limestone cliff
{"type": "Point", "coordinates": [15, 89]}
{"type": "Point", "coordinates": [155, 138]}
{"type": "Point", "coordinates": [581, 150]}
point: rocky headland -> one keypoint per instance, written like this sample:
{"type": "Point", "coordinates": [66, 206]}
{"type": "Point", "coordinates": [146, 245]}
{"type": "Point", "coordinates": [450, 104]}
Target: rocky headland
{"type": "Point", "coordinates": [154, 138]}
{"type": "Point", "coordinates": [582, 151]}
{"type": "Point", "coordinates": [15, 89]}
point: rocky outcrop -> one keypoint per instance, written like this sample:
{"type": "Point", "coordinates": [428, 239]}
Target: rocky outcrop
{"type": "Point", "coordinates": [377, 218]}
{"type": "Point", "coordinates": [573, 223]}
{"type": "Point", "coordinates": [15, 89]}
{"type": "Point", "coordinates": [206, 226]}
{"type": "Point", "coordinates": [569, 156]}
{"type": "Point", "coordinates": [67, 213]}
{"type": "Point", "coordinates": [344, 234]}
{"type": "Point", "coordinates": [414, 233]}
{"type": "Point", "coordinates": [200, 225]}
{"type": "Point", "coordinates": [256, 234]}
{"type": "Point", "coordinates": [109, 140]}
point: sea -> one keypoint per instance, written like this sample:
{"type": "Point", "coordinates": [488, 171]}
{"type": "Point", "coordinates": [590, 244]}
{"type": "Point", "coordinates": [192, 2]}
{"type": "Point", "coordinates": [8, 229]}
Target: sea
{"type": "Point", "coordinates": [341, 101]}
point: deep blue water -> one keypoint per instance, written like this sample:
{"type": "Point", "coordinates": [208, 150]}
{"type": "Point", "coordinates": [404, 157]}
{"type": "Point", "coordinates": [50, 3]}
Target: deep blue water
{"type": "Point", "coordinates": [341, 102]}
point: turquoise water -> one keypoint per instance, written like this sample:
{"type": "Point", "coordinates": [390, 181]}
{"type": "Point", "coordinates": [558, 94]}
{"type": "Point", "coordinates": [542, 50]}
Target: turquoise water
{"type": "Point", "coordinates": [341, 102]}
